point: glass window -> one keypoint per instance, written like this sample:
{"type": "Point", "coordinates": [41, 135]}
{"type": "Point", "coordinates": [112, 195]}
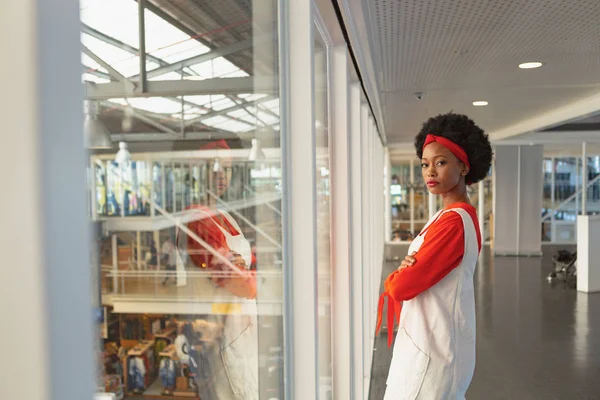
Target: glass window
{"type": "Point", "coordinates": [190, 205]}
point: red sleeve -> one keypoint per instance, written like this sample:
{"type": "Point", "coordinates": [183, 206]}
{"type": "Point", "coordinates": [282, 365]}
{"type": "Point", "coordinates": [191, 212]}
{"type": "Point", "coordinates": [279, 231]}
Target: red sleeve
{"type": "Point", "coordinates": [207, 229]}
{"type": "Point", "coordinates": [441, 252]}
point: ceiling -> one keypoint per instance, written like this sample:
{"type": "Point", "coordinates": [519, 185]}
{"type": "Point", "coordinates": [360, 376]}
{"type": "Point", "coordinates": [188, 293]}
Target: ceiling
{"type": "Point", "coordinates": [191, 42]}
{"type": "Point", "coordinates": [455, 52]}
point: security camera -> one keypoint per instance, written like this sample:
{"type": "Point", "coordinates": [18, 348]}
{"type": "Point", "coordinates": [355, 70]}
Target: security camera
{"type": "Point", "coordinates": [419, 96]}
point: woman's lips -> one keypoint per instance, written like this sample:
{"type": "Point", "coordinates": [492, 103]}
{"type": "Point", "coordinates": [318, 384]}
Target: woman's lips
{"type": "Point", "coordinates": [432, 183]}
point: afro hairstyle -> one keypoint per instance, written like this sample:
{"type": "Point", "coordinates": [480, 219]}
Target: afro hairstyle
{"type": "Point", "coordinates": [461, 130]}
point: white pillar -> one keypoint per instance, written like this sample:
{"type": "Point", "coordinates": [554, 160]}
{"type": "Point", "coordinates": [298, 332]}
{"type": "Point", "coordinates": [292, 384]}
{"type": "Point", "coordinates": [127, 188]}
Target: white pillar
{"type": "Point", "coordinates": [45, 299]}
{"type": "Point", "coordinates": [368, 211]}
{"type": "Point", "coordinates": [588, 252]}
{"type": "Point", "coordinates": [356, 183]}
{"type": "Point", "coordinates": [366, 237]}
{"type": "Point", "coordinates": [518, 189]}
{"type": "Point", "coordinates": [584, 179]}
{"type": "Point", "coordinates": [300, 211]}
{"type": "Point", "coordinates": [340, 233]}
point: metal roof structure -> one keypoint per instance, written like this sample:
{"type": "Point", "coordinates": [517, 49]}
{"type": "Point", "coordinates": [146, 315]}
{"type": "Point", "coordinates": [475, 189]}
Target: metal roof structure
{"type": "Point", "coordinates": [198, 79]}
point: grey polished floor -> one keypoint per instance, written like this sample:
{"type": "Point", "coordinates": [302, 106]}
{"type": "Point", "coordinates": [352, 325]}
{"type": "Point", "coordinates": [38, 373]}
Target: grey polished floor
{"type": "Point", "coordinates": [534, 340]}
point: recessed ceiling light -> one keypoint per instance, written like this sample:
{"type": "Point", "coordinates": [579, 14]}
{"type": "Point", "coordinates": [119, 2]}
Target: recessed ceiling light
{"type": "Point", "coordinates": [480, 103]}
{"type": "Point", "coordinates": [530, 65]}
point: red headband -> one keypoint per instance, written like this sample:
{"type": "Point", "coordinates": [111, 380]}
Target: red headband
{"type": "Point", "coordinates": [458, 151]}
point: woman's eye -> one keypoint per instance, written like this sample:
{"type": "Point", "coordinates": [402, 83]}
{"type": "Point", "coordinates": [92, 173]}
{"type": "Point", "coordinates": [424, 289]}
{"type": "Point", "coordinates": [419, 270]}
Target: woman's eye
{"type": "Point", "coordinates": [424, 165]}
{"type": "Point", "coordinates": [440, 163]}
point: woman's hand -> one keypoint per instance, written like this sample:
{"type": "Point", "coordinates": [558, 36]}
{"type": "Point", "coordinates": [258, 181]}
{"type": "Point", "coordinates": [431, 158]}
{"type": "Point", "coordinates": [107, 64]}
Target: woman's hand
{"type": "Point", "coordinates": [408, 261]}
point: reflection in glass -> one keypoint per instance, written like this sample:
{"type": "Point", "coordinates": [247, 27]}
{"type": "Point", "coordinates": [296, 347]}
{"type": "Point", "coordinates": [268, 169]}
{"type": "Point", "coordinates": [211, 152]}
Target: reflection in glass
{"type": "Point", "coordinates": [191, 257]}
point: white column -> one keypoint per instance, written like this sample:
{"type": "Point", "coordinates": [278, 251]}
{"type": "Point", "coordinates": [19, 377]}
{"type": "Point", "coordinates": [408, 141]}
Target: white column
{"type": "Point", "coordinates": [366, 261]}
{"type": "Point", "coordinates": [300, 210]}
{"type": "Point", "coordinates": [45, 299]}
{"type": "Point", "coordinates": [588, 252]}
{"type": "Point", "coordinates": [584, 179]}
{"type": "Point", "coordinates": [518, 203]}
{"type": "Point", "coordinates": [356, 240]}
{"type": "Point", "coordinates": [481, 210]}
{"type": "Point", "coordinates": [340, 233]}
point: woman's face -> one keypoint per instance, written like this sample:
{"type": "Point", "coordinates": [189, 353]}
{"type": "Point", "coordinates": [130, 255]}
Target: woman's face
{"type": "Point", "coordinates": [222, 178]}
{"type": "Point", "coordinates": [442, 170]}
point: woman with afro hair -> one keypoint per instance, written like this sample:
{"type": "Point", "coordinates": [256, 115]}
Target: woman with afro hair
{"type": "Point", "coordinates": [434, 352]}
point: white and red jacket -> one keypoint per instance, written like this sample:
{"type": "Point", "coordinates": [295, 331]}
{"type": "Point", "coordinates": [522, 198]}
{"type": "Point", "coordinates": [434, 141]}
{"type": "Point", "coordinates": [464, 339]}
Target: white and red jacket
{"type": "Point", "coordinates": [434, 353]}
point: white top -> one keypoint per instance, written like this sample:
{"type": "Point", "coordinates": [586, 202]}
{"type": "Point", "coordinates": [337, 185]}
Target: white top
{"type": "Point", "coordinates": [434, 353]}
